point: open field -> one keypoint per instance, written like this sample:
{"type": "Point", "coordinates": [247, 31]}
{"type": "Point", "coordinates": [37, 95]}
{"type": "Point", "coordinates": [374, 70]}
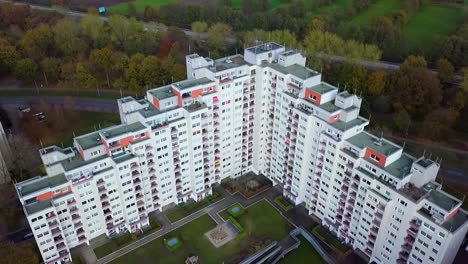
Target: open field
{"type": "Point", "coordinates": [139, 5]}
{"type": "Point", "coordinates": [304, 252]}
{"type": "Point", "coordinates": [431, 24]}
{"type": "Point", "coordinates": [261, 221]}
{"type": "Point", "coordinates": [380, 8]}
{"type": "Point", "coordinates": [333, 7]}
{"type": "Point", "coordinates": [273, 3]}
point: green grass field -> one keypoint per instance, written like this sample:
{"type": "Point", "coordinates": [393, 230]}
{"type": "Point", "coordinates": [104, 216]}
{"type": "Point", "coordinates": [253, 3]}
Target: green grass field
{"type": "Point", "coordinates": [139, 5]}
{"type": "Point", "coordinates": [380, 8]}
{"type": "Point", "coordinates": [273, 3]}
{"type": "Point", "coordinates": [259, 220]}
{"type": "Point", "coordinates": [431, 24]}
{"type": "Point", "coordinates": [333, 7]}
{"type": "Point", "coordinates": [304, 252]}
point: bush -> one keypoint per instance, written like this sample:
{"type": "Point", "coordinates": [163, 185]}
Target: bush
{"type": "Point", "coordinates": [283, 203]}
{"type": "Point", "coordinates": [234, 221]}
{"type": "Point", "coordinates": [241, 235]}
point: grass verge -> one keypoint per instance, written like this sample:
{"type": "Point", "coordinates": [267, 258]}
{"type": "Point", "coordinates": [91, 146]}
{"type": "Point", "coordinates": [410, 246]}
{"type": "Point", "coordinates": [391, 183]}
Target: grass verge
{"type": "Point", "coordinates": [329, 239]}
{"type": "Point", "coordinates": [283, 203]}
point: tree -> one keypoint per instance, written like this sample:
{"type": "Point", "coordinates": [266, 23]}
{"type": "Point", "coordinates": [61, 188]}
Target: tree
{"type": "Point", "coordinates": [464, 84]}
{"type": "Point", "coordinates": [149, 13]}
{"type": "Point", "coordinates": [217, 35]}
{"type": "Point", "coordinates": [318, 23]}
{"type": "Point", "coordinates": [102, 59]}
{"type": "Point", "coordinates": [51, 68]}
{"type": "Point", "coordinates": [23, 161]}
{"type": "Point", "coordinates": [413, 62]}
{"type": "Point", "coordinates": [376, 82]}
{"type": "Point", "coordinates": [96, 30]}
{"type": "Point", "coordinates": [199, 27]}
{"type": "Point", "coordinates": [85, 77]}
{"type": "Point", "coordinates": [439, 123]}
{"type": "Point", "coordinates": [417, 91]}
{"type": "Point", "coordinates": [455, 50]}
{"type": "Point", "coordinates": [126, 33]}
{"type": "Point", "coordinates": [445, 70]}
{"type": "Point", "coordinates": [67, 38]}
{"type": "Point", "coordinates": [131, 9]}
{"type": "Point", "coordinates": [402, 120]}
{"type": "Point", "coordinates": [38, 41]}
{"type": "Point", "coordinates": [8, 55]}
{"type": "Point", "coordinates": [351, 76]}
{"type": "Point", "coordinates": [17, 253]}
{"type": "Point", "coordinates": [26, 70]}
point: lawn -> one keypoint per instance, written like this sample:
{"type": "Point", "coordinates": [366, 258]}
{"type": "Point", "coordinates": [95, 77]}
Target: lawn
{"type": "Point", "coordinates": [329, 239]}
{"type": "Point", "coordinates": [192, 207]}
{"type": "Point", "coordinates": [261, 220]}
{"type": "Point", "coordinates": [331, 8]}
{"type": "Point", "coordinates": [273, 3]}
{"type": "Point", "coordinates": [139, 5]}
{"type": "Point", "coordinates": [125, 240]}
{"type": "Point", "coordinates": [430, 25]}
{"type": "Point", "coordinates": [304, 253]}
{"type": "Point", "coordinates": [82, 123]}
{"type": "Point", "coordinates": [380, 8]}
{"type": "Point", "coordinates": [281, 201]}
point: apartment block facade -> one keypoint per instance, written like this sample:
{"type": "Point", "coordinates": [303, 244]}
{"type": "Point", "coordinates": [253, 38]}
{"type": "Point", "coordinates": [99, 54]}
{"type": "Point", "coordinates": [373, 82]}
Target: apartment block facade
{"type": "Point", "coordinates": [264, 112]}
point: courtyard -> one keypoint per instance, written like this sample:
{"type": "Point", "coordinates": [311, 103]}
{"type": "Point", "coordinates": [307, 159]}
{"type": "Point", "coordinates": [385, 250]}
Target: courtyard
{"type": "Point", "coordinates": [261, 222]}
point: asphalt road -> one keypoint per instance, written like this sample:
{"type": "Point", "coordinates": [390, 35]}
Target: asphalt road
{"type": "Point", "coordinates": [80, 104]}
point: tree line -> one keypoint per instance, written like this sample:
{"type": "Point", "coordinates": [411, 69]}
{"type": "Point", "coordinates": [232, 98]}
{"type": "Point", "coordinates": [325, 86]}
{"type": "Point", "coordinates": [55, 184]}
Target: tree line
{"type": "Point", "coordinates": [87, 52]}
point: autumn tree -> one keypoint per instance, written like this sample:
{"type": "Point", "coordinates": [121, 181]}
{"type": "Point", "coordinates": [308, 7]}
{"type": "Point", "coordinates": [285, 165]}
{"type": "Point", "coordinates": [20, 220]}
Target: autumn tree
{"type": "Point", "coordinates": [126, 34]}
{"type": "Point", "coordinates": [412, 62]}
{"type": "Point", "coordinates": [318, 23]}
{"type": "Point", "coordinates": [439, 123]}
{"type": "Point", "coordinates": [84, 76]}
{"type": "Point", "coordinates": [67, 38]}
{"type": "Point", "coordinates": [8, 55]}
{"type": "Point", "coordinates": [102, 59]}
{"type": "Point", "coordinates": [37, 42]}
{"type": "Point", "coordinates": [217, 35]}
{"type": "Point", "coordinates": [417, 91]}
{"type": "Point", "coordinates": [96, 30]}
{"type": "Point", "coordinates": [402, 120]}
{"type": "Point", "coordinates": [150, 13]}
{"type": "Point", "coordinates": [445, 70]}
{"type": "Point", "coordinates": [26, 70]}
{"type": "Point", "coordinates": [376, 82]}
{"type": "Point", "coordinates": [351, 76]}
{"type": "Point", "coordinates": [199, 27]}
{"type": "Point", "coordinates": [23, 160]}
{"type": "Point", "coordinates": [51, 68]}
{"type": "Point", "coordinates": [17, 253]}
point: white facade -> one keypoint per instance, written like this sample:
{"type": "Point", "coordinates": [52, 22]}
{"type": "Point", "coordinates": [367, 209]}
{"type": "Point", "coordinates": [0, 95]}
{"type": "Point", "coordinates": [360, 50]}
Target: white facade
{"type": "Point", "coordinates": [263, 112]}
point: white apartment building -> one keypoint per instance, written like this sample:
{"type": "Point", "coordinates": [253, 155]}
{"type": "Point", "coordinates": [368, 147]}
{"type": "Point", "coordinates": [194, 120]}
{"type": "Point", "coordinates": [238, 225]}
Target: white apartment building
{"type": "Point", "coordinates": [263, 112]}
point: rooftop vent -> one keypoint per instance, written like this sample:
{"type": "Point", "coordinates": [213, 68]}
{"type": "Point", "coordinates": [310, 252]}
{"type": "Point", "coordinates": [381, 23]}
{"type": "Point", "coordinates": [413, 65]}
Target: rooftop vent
{"type": "Point", "coordinates": [228, 61]}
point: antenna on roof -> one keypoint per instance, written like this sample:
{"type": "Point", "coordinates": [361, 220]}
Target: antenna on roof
{"type": "Point", "coordinates": [74, 134]}
{"type": "Point", "coordinates": [430, 155]}
{"type": "Point", "coordinates": [40, 142]}
{"type": "Point", "coordinates": [424, 153]}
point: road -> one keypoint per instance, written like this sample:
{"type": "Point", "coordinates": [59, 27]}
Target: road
{"type": "Point", "coordinates": [80, 104]}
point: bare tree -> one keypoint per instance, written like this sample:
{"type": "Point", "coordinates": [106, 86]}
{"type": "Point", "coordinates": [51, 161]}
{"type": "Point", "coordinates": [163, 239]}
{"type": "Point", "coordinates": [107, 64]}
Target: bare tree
{"type": "Point", "coordinates": [23, 160]}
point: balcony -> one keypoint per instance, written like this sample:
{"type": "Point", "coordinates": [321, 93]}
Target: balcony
{"type": "Point", "coordinates": [404, 255]}
{"type": "Point", "coordinates": [352, 195]}
{"type": "Point", "coordinates": [100, 182]}
{"type": "Point", "coordinates": [104, 197]}
{"type": "Point", "coordinates": [406, 247]}
{"type": "Point", "coordinates": [109, 219]}
{"type": "Point", "coordinates": [80, 231]}
{"type": "Point", "coordinates": [134, 166]}
{"type": "Point", "coordinates": [76, 217]}
{"type": "Point", "coordinates": [71, 202]}
{"type": "Point", "coordinates": [372, 238]}
{"type": "Point", "coordinates": [354, 186]}
{"type": "Point", "coordinates": [53, 224]}
{"type": "Point", "coordinates": [401, 261]}
{"type": "Point", "coordinates": [73, 210]}
{"type": "Point", "coordinates": [148, 148]}
{"type": "Point", "coordinates": [378, 215]}
{"type": "Point", "coordinates": [349, 165]}
{"type": "Point", "coordinates": [412, 231]}
{"type": "Point", "coordinates": [374, 230]}
{"type": "Point", "coordinates": [61, 246]}
{"type": "Point", "coordinates": [58, 239]}
{"type": "Point", "coordinates": [150, 156]}
{"type": "Point", "coordinates": [101, 190]}
{"type": "Point", "coordinates": [81, 238]}
{"type": "Point", "coordinates": [415, 224]}
{"type": "Point", "coordinates": [135, 173]}
{"type": "Point", "coordinates": [151, 163]}
{"type": "Point", "coordinates": [376, 222]}
{"type": "Point", "coordinates": [78, 225]}
{"type": "Point", "coordinates": [344, 189]}
{"type": "Point", "coordinates": [368, 252]}
{"type": "Point", "coordinates": [50, 216]}
{"type": "Point", "coordinates": [155, 198]}
{"type": "Point", "coordinates": [370, 244]}
{"type": "Point", "coordinates": [55, 231]}
{"type": "Point", "coordinates": [107, 212]}
{"type": "Point", "coordinates": [349, 209]}
{"type": "Point", "coordinates": [346, 182]}
{"type": "Point", "coordinates": [409, 240]}
{"type": "Point", "coordinates": [105, 205]}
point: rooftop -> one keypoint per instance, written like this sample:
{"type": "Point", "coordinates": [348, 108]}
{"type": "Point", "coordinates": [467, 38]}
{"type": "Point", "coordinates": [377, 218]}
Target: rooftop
{"type": "Point", "coordinates": [265, 47]}
{"type": "Point", "coordinates": [124, 157]}
{"type": "Point", "coordinates": [457, 220]}
{"type": "Point", "coordinates": [329, 107]}
{"type": "Point", "coordinates": [366, 140]}
{"type": "Point", "coordinates": [413, 192]}
{"type": "Point", "coordinates": [77, 161]}
{"type": "Point", "coordinates": [443, 200]}
{"type": "Point", "coordinates": [401, 167]}
{"type": "Point", "coordinates": [296, 70]}
{"type": "Point", "coordinates": [192, 83]}
{"type": "Point", "coordinates": [162, 93]}
{"type": "Point", "coordinates": [41, 183]}
{"type": "Point", "coordinates": [122, 129]}
{"type": "Point", "coordinates": [38, 206]}
{"type": "Point", "coordinates": [343, 126]}
{"type": "Point", "coordinates": [227, 63]}
{"type": "Point", "coordinates": [322, 88]}
{"type": "Point", "coordinates": [149, 111]}
{"type": "Point", "coordinates": [424, 162]}
{"type": "Point", "coordinates": [89, 140]}
{"type": "Point", "coordinates": [345, 94]}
